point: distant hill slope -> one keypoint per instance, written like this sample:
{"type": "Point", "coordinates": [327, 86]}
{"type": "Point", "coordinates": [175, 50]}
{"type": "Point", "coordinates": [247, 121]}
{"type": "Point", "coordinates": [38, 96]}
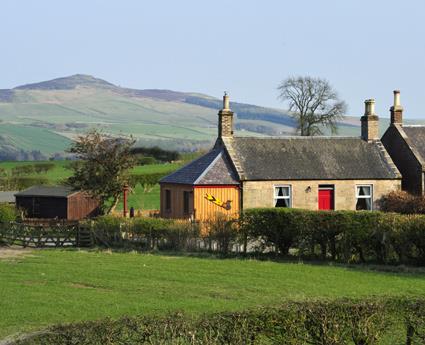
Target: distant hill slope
{"type": "Point", "coordinates": [49, 114]}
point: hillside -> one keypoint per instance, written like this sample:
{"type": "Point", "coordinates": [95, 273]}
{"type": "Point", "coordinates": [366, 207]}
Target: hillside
{"type": "Point", "coordinates": [44, 117]}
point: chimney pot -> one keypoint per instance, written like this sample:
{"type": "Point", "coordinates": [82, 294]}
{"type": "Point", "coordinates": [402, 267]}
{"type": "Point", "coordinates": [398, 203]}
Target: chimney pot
{"type": "Point", "coordinates": [369, 107]}
{"type": "Point", "coordinates": [396, 98]}
{"type": "Point", "coordinates": [226, 101]}
{"type": "Point", "coordinates": [370, 122]}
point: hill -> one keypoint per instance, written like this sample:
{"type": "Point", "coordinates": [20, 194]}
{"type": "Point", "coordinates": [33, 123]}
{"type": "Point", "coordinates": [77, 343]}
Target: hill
{"type": "Point", "coordinates": [41, 119]}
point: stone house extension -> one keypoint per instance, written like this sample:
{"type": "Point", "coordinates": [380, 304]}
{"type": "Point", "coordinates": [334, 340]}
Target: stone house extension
{"type": "Point", "coordinates": [341, 173]}
{"type": "Point", "coordinates": [406, 146]}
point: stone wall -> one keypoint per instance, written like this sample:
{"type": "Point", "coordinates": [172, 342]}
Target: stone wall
{"type": "Point", "coordinates": [261, 193]}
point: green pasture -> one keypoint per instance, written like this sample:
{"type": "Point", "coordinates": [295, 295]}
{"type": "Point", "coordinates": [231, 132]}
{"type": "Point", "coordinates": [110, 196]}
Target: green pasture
{"type": "Point", "coordinates": [55, 286]}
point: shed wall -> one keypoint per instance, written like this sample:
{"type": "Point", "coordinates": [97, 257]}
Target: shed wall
{"type": "Point", "coordinates": [206, 209]}
{"type": "Point", "coordinates": [42, 207]}
{"type": "Point", "coordinates": [177, 202]}
{"type": "Point", "coordinates": [81, 205]}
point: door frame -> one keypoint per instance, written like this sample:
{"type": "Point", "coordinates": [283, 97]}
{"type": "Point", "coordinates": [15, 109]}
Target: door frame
{"type": "Point", "coordinates": [326, 187]}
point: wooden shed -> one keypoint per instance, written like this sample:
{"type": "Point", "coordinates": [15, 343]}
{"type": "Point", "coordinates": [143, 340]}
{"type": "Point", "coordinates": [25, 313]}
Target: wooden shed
{"type": "Point", "coordinates": [60, 202]}
{"type": "Point", "coordinates": [202, 189]}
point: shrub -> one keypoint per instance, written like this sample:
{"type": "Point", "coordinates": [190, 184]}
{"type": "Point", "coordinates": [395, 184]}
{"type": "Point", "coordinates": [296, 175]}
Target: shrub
{"type": "Point", "coordinates": [19, 183]}
{"type": "Point", "coordinates": [403, 202]}
{"type": "Point", "coordinates": [223, 229]}
{"type": "Point", "coordinates": [350, 236]}
{"type": "Point", "coordinates": [43, 167]}
{"type": "Point", "coordinates": [8, 213]}
{"type": "Point", "coordinates": [275, 227]}
{"type": "Point", "coordinates": [151, 233]}
{"type": "Point", "coordinates": [336, 322]}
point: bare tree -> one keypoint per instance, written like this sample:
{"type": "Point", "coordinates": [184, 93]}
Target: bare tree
{"type": "Point", "coordinates": [314, 104]}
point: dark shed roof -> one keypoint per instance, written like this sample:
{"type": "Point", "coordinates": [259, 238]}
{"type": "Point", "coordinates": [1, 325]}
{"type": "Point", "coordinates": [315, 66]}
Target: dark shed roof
{"type": "Point", "coordinates": [305, 158]}
{"type": "Point", "coordinates": [47, 191]}
{"type": "Point", "coordinates": [416, 135]}
{"type": "Point", "coordinates": [212, 168]}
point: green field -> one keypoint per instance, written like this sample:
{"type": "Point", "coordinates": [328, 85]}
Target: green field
{"type": "Point", "coordinates": [52, 286]}
{"type": "Point", "coordinates": [140, 199]}
{"type": "Point", "coordinates": [30, 138]}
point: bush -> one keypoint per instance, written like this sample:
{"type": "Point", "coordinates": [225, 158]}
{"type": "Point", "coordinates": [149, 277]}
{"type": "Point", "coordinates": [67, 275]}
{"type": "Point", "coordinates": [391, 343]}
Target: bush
{"type": "Point", "coordinates": [151, 233]}
{"type": "Point", "coordinates": [403, 202]}
{"type": "Point", "coordinates": [23, 182]}
{"type": "Point", "coordinates": [337, 322]}
{"type": "Point", "coordinates": [8, 213]}
{"type": "Point", "coordinates": [350, 236]}
{"type": "Point", "coordinates": [222, 229]}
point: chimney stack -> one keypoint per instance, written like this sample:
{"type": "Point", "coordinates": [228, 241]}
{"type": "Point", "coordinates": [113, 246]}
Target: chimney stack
{"type": "Point", "coordinates": [396, 110]}
{"type": "Point", "coordinates": [370, 122]}
{"type": "Point", "coordinates": [225, 119]}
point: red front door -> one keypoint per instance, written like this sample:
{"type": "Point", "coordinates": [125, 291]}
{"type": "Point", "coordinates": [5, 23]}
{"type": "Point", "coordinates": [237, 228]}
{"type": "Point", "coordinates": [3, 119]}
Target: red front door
{"type": "Point", "coordinates": [326, 199]}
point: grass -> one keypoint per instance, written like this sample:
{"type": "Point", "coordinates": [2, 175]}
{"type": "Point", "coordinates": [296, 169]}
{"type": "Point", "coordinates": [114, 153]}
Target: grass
{"type": "Point", "coordinates": [33, 138]}
{"type": "Point", "coordinates": [52, 286]}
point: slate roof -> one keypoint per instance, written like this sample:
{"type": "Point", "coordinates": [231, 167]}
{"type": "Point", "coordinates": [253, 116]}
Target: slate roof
{"type": "Point", "coordinates": [47, 191]}
{"type": "Point", "coordinates": [416, 135]}
{"type": "Point", "coordinates": [305, 158]}
{"type": "Point", "coordinates": [212, 168]}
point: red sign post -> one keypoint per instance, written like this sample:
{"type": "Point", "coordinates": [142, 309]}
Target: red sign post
{"type": "Point", "coordinates": [125, 204]}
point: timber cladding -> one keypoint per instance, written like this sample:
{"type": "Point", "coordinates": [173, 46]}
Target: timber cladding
{"type": "Point", "coordinates": [210, 200]}
{"type": "Point", "coordinates": [56, 202]}
{"type": "Point", "coordinates": [201, 202]}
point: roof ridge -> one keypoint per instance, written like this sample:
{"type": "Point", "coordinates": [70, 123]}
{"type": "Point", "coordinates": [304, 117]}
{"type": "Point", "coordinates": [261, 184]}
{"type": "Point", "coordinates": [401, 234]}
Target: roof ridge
{"type": "Point", "coordinates": [387, 157]}
{"type": "Point", "coordinates": [228, 145]}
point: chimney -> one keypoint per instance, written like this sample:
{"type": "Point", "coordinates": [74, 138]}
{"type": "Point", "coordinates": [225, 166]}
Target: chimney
{"type": "Point", "coordinates": [370, 122]}
{"type": "Point", "coordinates": [396, 110]}
{"type": "Point", "coordinates": [225, 119]}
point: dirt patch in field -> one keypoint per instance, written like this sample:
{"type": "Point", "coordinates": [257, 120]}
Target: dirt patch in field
{"type": "Point", "coordinates": [13, 253]}
{"type": "Point", "coordinates": [87, 286]}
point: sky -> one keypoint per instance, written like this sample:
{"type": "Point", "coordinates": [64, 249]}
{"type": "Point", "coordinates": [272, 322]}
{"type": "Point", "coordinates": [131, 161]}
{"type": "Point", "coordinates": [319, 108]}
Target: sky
{"type": "Point", "coordinates": [365, 49]}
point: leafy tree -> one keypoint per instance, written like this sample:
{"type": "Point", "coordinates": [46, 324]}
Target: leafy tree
{"type": "Point", "coordinates": [103, 166]}
{"type": "Point", "coordinates": [313, 102]}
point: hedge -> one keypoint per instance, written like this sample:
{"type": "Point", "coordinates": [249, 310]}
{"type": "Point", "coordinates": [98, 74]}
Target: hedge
{"type": "Point", "coordinates": [153, 233]}
{"type": "Point", "coordinates": [358, 236]}
{"type": "Point", "coordinates": [8, 213]}
{"type": "Point", "coordinates": [373, 321]}
{"type": "Point", "coordinates": [19, 183]}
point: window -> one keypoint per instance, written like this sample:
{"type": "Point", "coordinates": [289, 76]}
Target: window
{"type": "Point", "coordinates": [364, 197]}
{"type": "Point", "coordinates": [168, 200]}
{"type": "Point", "coordinates": [282, 196]}
{"type": "Point", "coordinates": [186, 196]}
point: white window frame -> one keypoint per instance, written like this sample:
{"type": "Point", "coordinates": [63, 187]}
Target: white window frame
{"type": "Point", "coordinates": [365, 196]}
{"type": "Point", "coordinates": [289, 197]}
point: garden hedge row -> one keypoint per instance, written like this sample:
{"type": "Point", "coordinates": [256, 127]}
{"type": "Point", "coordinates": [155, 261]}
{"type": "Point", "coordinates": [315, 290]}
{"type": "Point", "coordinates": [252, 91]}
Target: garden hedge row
{"type": "Point", "coordinates": [340, 235]}
{"type": "Point", "coordinates": [338, 322]}
{"type": "Point", "coordinates": [151, 233]}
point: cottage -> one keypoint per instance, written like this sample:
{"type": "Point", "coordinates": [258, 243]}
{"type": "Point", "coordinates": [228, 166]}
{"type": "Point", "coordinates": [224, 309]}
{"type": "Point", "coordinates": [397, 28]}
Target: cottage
{"type": "Point", "coordinates": [59, 202]}
{"type": "Point", "coordinates": [319, 173]}
{"type": "Point", "coordinates": [406, 146]}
